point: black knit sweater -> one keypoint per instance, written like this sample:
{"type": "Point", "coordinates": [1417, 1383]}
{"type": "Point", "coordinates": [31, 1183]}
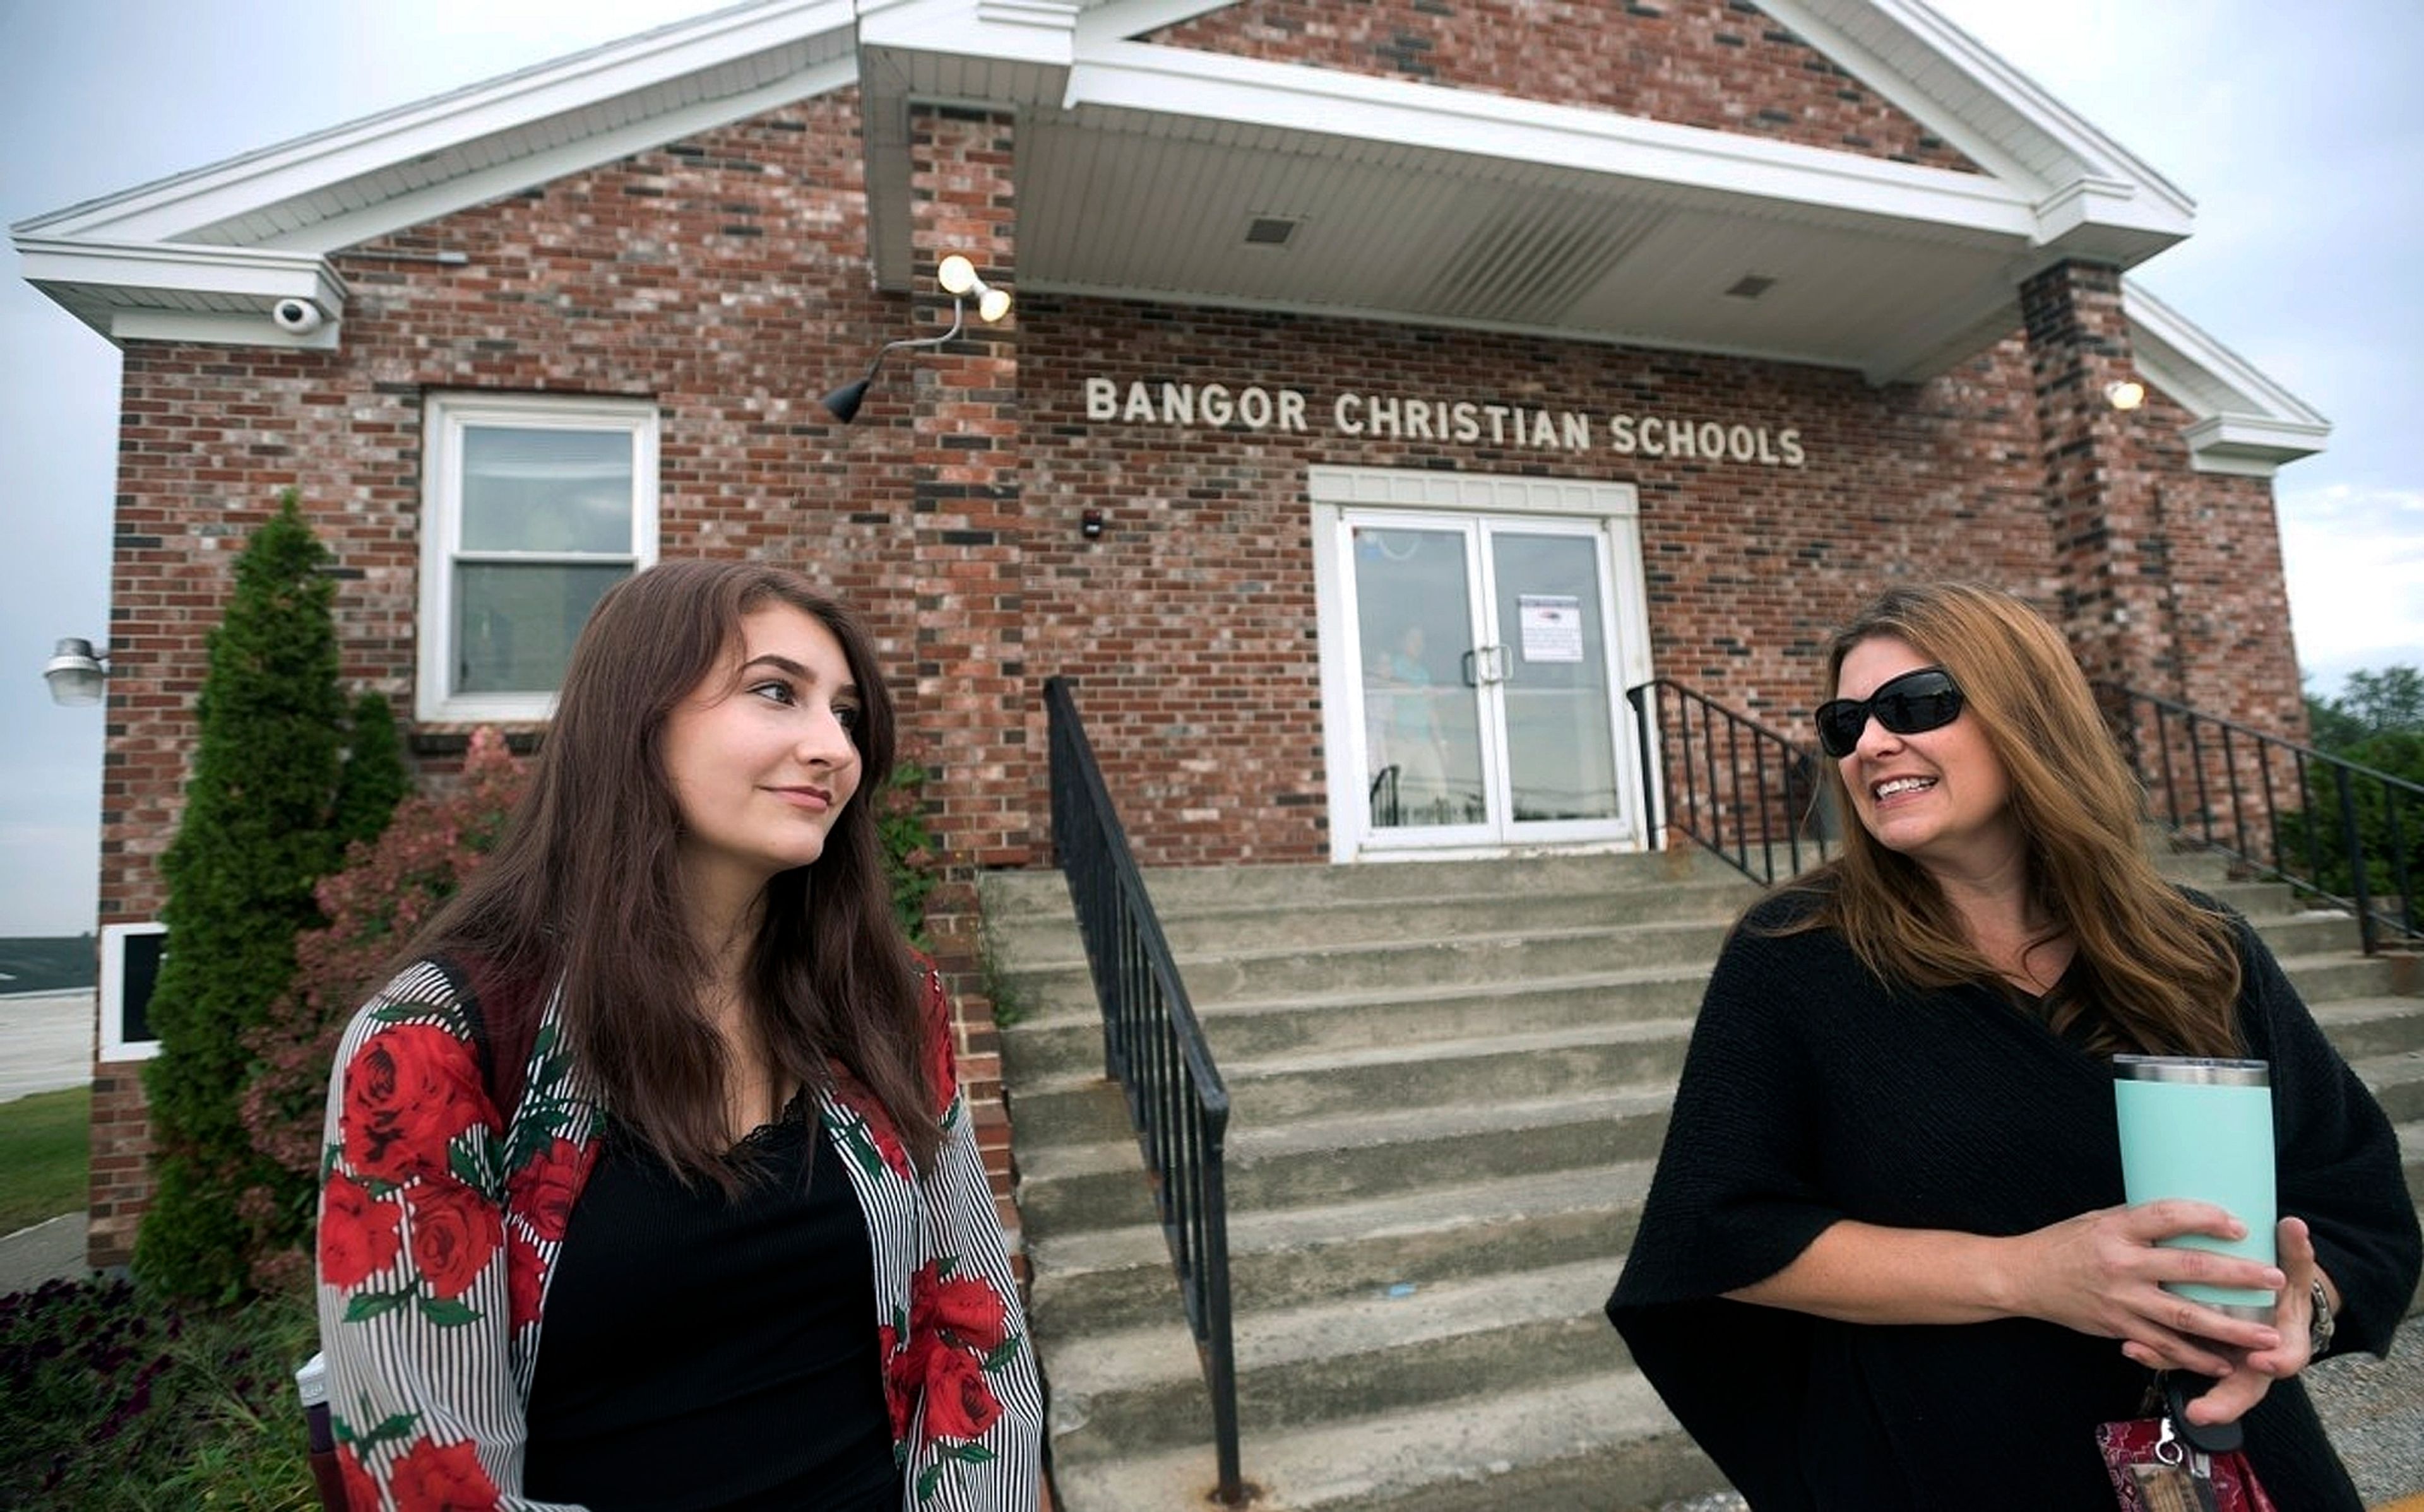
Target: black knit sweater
{"type": "Point", "coordinates": [1812, 1092]}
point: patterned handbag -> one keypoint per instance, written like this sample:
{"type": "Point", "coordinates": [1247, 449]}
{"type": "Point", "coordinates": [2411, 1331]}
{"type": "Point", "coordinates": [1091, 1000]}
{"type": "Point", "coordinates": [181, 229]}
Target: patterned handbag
{"type": "Point", "coordinates": [2168, 1464]}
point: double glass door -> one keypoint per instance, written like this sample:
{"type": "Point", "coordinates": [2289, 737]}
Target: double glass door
{"type": "Point", "coordinates": [1485, 699]}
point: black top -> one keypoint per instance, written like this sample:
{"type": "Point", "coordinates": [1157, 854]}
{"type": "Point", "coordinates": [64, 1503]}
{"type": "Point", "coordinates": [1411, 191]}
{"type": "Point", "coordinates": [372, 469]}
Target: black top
{"type": "Point", "coordinates": [1812, 1092]}
{"type": "Point", "coordinates": [700, 1352]}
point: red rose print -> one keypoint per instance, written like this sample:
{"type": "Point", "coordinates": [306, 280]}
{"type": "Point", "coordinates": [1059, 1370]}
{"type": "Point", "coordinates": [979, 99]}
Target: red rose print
{"type": "Point", "coordinates": [433, 1479]}
{"type": "Point", "coordinates": [357, 1233]}
{"type": "Point", "coordinates": [959, 1404]}
{"type": "Point", "coordinates": [525, 1280]}
{"type": "Point", "coordinates": [900, 1382]}
{"type": "Point", "coordinates": [455, 1230]}
{"type": "Point", "coordinates": [544, 1190]}
{"type": "Point", "coordinates": [970, 1312]}
{"type": "Point", "coordinates": [941, 1050]}
{"type": "Point", "coordinates": [361, 1492]}
{"type": "Point", "coordinates": [408, 1090]}
{"type": "Point", "coordinates": [857, 1098]}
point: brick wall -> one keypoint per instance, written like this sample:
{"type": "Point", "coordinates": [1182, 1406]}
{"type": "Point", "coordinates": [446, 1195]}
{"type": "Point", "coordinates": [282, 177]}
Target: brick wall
{"type": "Point", "coordinates": [722, 276]}
{"type": "Point", "coordinates": [1720, 64]}
{"type": "Point", "coordinates": [725, 279]}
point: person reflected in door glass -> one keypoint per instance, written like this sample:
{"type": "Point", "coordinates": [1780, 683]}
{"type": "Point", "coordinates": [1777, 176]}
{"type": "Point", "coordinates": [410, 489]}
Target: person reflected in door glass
{"type": "Point", "coordinates": [1410, 786]}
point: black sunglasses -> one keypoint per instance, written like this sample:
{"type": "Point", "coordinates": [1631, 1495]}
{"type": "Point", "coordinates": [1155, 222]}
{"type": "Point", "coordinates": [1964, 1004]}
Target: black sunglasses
{"type": "Point", "coordinates": [1927, 699]}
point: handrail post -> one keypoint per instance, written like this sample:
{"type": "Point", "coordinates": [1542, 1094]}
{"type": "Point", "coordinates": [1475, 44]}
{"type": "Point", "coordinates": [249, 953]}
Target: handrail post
{"type": "Point", "coordinates": [2353, 848]}
{"type": "Point", "coordinates": [1649, 770]}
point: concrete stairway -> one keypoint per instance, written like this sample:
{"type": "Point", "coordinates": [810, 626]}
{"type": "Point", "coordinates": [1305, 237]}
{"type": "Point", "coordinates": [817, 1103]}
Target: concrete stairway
{"type": "Point", "coordinates": [1449, 1084]}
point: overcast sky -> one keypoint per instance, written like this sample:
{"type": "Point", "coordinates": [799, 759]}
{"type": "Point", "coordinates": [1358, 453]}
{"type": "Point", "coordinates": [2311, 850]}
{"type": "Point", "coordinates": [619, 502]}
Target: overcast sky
{"type": "Point", "coordinates": [2289, 125]}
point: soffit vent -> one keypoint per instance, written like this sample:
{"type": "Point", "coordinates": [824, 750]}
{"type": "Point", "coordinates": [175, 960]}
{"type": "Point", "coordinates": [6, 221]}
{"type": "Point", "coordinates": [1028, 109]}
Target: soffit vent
{"type": "Point", "coordinates": [1270, 231]}
{"type": "Point", "coordinates": [1530, 263]}
{"type": "Point", "coordinates": [1750, 286]}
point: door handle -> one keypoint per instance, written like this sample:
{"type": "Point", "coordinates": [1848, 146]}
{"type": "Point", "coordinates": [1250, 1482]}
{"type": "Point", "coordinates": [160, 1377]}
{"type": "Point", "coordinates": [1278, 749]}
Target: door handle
{"type": "Point", "coordinates": [1469, 662]}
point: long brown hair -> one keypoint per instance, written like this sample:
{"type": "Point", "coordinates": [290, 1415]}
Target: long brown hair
{"type": "Point", "coordinates": [585, 888]}
{"type": "Point", "coordinates": [2161, 973]}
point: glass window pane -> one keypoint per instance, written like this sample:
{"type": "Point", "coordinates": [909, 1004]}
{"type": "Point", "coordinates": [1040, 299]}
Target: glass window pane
{"type": "Point", "coordinates": [1422, 715]}
{"type": "Point", "coordinates": [514, 625]}
{"type": "Point", "coordinates": [546, 490]}
{"type": "Point", "coordinates": [1560, 732]}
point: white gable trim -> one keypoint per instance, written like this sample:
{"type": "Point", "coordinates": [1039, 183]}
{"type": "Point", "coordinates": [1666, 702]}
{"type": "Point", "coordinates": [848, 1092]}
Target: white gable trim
{"type": "Point", "coordinates": [384, 217]}
{"type": "Point", "coordinates": [2245, 423]}
{"type": "Point", "coordinates": [174, 209]}
{"type": "Point", "coordinates": [181, 292]}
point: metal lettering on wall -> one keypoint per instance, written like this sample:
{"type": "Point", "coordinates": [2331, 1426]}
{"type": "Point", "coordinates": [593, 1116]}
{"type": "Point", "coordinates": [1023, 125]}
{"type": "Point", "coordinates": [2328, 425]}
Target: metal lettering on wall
{"type": "Point", "coordinates": [1255, 406]}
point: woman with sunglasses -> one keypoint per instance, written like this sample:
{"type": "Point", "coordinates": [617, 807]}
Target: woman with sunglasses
{"type": "Point", "coordinates": [1885, 1263]}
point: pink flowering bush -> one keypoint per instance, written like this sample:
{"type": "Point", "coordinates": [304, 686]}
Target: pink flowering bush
{"type": "Point", "coordinates": [374, 905]}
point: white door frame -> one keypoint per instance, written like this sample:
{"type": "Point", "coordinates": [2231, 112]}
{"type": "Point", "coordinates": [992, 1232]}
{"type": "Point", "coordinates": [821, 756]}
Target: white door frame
{"type": "Point", "coordinates": [1614, 507]}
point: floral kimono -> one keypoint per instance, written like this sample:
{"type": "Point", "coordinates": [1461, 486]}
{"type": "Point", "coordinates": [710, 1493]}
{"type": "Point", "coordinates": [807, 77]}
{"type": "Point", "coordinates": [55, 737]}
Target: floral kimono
{"type": "Point", "coordinates": [439, 1223]}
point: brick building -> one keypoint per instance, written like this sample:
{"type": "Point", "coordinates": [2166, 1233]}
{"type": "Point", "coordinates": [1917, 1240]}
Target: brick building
{"type": "Point", "coordinates": [1390, 386]}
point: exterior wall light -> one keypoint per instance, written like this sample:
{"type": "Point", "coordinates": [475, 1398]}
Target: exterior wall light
{"type": "Point", "coordinates": [2125, 394]}
{"type": "Point", "coordinates": [958, 278]}
{"type": "Point", "coordinates": [75, 672]}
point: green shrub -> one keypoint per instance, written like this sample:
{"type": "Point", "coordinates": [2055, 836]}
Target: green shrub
{"type": "Point", "coordinates": [373, 780]}
{"type": "Point", "coordinates": [2316, 838]}
{"type": "Point", "coordinates": [253, 840]}
{"type": "Point", "coordinates": [387, 890]}
{"type": "Point", "coordinates": [908, 848]}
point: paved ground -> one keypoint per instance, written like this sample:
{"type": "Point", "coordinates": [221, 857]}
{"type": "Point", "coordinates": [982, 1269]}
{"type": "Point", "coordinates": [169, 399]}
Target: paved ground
{"type": "Point", "coordinates": [45, 1043]}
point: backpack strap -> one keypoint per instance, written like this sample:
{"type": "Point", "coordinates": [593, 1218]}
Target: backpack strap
{"type": "Point", "coordinates": [503, 1009]}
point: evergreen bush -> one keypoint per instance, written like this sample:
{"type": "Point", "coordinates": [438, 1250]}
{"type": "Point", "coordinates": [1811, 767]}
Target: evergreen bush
{"type": "Point", "coordinates": [256, 836]}
{"type": "Point", "coordinates": [387, 890]}
{"type": "Point", "coordinates": [373, 780]}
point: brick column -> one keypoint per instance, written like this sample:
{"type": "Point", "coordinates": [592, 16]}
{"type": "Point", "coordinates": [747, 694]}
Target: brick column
{"type": "Point", "coordinates": [2109, 549]}
{"type": "Point", "coordinates": [975, 708]}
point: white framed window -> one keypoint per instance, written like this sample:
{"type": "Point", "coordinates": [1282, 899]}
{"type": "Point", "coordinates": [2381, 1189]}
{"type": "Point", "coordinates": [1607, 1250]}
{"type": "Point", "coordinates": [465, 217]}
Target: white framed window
{"type": "Point", "coordinates": [130, 967]}
{"type": "Point", "coordinates": [531, 507]}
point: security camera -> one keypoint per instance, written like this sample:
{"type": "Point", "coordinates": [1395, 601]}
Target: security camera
{"type": "Point", "coordinates": [300, 317]}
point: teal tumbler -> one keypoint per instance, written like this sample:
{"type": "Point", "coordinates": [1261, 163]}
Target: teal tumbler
{"type": "Point", "coordinates": [2203, 1129]}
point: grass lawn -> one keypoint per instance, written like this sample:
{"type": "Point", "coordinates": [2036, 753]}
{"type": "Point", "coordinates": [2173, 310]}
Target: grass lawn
{"type": "Point", "coordinates": [45, 1142]}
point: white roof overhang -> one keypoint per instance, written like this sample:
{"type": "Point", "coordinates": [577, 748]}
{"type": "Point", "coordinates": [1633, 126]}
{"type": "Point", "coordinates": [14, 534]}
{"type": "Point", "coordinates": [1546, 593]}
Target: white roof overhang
{"type": "Point", "coordinates": [1141, 167]}
{"type": "Point", "coordinates": [2241, 422]}
{"type": "Point", "coordinates": [182, 259]}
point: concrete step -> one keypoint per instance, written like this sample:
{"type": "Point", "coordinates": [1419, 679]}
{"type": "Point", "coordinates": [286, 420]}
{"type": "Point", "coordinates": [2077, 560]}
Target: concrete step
{"type": "Point", "coordinates": [1141, 1390]}
{"type": "Point", "coordinates": [1567, 1446]}
{"type": "Point", "coordinates": [2397, 1082]}
{"type": "Point", "coordinates": [1269, 1092]}
{"type": "Point", "coordinates": [1120, 1278]}
{"type": "Point", "coordinates": [1064, 1037]}
{"type": "Point", "coordinates": [1065, 1188]}
{"type": "Point", "coordinates": [1047, 938]}
{"type": "Point", "coordinates": [1253, 974]}
{"type": "Point", "coordinates": [2340, 976]}
{"type": "Point", "coordinates": [2365, 1027]}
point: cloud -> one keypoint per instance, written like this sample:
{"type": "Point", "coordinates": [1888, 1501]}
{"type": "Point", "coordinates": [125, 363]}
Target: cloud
{"type": "Point", "coordinates": [2355, 560]}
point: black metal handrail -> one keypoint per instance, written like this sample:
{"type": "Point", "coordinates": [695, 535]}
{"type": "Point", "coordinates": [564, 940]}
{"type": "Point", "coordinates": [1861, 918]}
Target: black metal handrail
{"type": "Point", "coordinates": [1733, 785]}
{"type": "Point", "coordinates": [1154, 1046]}
{"type": "Point", "coordinates": [2322, 824]}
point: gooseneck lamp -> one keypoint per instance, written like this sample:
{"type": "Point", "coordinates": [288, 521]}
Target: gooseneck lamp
{"type": "Point", "coordinates": [958, 278]}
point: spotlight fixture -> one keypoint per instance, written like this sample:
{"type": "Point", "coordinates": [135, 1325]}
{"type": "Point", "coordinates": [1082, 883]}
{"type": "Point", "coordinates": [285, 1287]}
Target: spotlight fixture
{"type": "Point", "coordinates": [75, 672]}
{"type": "Point", "coordinates": [2125, 394]}
{"type": "Point", "coordinates": [958, 278]}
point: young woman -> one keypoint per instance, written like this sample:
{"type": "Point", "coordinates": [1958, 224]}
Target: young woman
{"type": "Point", "coordinates": [648, 1180]}
{"type": "Point", "coordinates": [1885, 1262]}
